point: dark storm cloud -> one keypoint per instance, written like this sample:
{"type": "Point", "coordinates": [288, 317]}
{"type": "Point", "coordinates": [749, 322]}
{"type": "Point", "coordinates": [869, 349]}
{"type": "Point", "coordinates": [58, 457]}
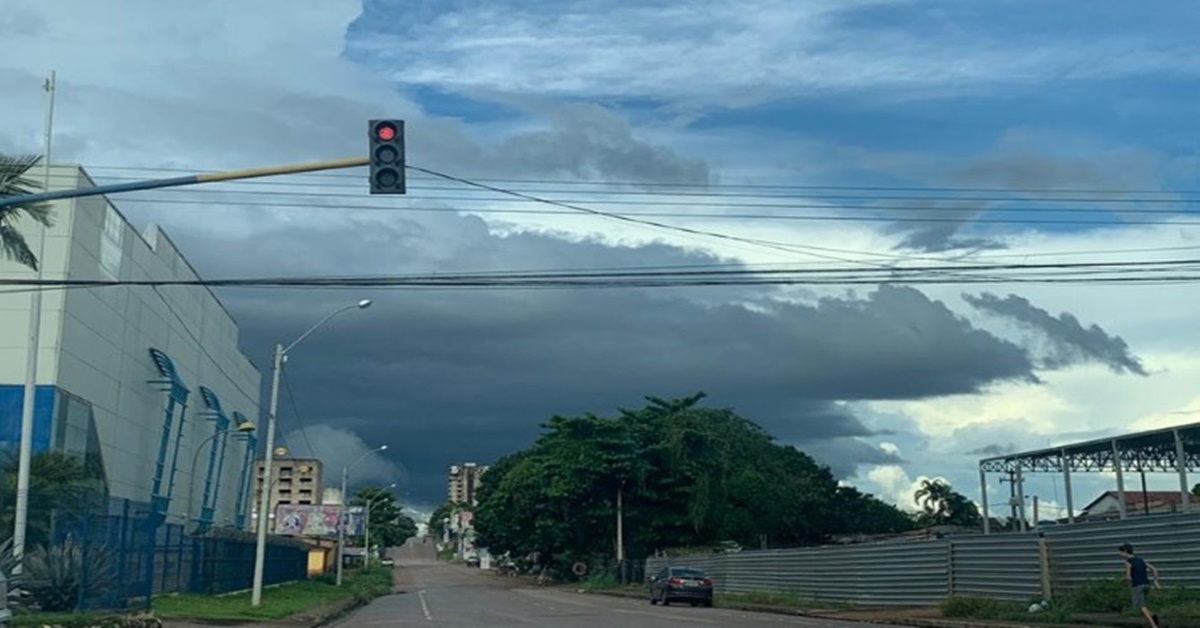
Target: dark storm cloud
{"type": "Point", "coordinates": [1069, 342]}
{"type": "Point", "coordinates": [845, 455]}
{"type": "Point", "coordinates": [446, 376]}
{"type": "Point", "coordinates": [1034, 167]}
{"type": "Point", "coordinates": [945, 234]}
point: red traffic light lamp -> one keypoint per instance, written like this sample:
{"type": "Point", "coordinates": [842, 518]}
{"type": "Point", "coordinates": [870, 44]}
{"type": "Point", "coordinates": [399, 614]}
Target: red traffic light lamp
{"type": "Point", "coordinates": [385, 132]}
{"type": "Point", "coordinates": [387, 157]}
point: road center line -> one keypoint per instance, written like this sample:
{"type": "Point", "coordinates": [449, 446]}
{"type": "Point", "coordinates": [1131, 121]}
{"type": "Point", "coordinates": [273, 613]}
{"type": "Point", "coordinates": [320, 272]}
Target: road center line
{"type": "Point", "coordinates": [424, 605]}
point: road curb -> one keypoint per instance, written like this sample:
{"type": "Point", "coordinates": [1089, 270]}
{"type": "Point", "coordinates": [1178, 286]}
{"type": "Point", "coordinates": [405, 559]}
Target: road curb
{"type": "Point", "coordinates": [894, 621]}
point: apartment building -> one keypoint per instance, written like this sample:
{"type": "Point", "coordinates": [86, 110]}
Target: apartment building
{"type": "Point", "coordinates": [293, 481]}
{"type": "Point", "coordinates": [464, 483]}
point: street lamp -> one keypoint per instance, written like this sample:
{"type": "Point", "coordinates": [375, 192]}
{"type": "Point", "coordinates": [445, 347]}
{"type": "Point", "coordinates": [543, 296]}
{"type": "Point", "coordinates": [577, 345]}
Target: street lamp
{"type": "Point", "coordinates": [341, 549]}
{"type": "Point", "coordinates": [243, 428]}
{"type": "Point", "coordinates": [367, 521]}
{"type": "Point", "coordinates": [264, 500]}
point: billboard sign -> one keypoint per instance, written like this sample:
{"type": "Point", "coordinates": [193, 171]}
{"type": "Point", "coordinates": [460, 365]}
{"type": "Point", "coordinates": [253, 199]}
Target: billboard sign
{"type": "Point", "coordinates": [316, 521]}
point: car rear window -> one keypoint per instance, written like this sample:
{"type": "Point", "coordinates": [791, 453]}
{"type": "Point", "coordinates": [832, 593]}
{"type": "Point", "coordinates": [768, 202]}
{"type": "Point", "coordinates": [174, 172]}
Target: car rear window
{"type": "Point", "coordinates": [688, 573]}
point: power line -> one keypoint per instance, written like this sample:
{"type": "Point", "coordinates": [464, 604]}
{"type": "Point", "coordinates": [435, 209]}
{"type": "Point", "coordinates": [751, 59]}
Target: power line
{"type": "Point", "coordinates": [622, 217]}
{"type": "Point", "coordinates": [637, 219]}
{"type": "Point", "coordinates": [1010, 198]}
{"type": "Point", "coordinates": [296, 413]}
{"type": "Point", "coordinates": [707, 185]}
{"type": "Point", "coordinates": [736, 216]}
{"type": "Point", "coordinates": [1062, 272]}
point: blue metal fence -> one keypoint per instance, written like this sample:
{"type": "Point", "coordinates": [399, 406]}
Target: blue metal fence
{"type": "Point", "coordinates": [124, 559]}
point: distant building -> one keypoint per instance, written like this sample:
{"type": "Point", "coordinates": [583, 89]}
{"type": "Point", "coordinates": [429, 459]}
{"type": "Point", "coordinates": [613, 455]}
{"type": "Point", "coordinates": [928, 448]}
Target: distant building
{"type": "Point", "coordinates": [331, 496]}
{"type": "Point", "coordinates": [464, 483]}
{"type": "Point", "coordinates": [1108, 505]}
{"type": "Point", "coordinates": [293, 481]}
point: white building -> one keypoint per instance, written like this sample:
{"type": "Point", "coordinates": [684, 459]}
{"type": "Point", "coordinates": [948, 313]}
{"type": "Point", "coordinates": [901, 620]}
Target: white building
{"type": "Point", "coordinates": [463, 482]}
{"type": "Point", "coordinates": [147, 381]}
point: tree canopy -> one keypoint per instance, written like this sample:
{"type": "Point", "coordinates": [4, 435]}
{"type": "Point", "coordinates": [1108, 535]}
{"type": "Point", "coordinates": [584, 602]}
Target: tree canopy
{"type": "Point", "coordinates": [687, 475]}
{"type": "Point", "coordinates": [62, 483]}
{"type": "Point", "coordinates": [389, 526]}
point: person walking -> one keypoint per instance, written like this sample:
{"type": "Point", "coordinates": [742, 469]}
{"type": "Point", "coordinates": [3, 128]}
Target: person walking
{"type": "Point", "coordinates": [1139, 573]}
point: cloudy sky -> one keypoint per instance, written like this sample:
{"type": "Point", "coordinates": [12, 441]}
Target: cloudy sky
{"type": "Point", "coordinates": [805, 134]}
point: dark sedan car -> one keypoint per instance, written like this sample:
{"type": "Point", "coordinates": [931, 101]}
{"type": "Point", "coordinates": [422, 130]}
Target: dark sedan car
{"type": "Point", "coordinates": [681, 584]}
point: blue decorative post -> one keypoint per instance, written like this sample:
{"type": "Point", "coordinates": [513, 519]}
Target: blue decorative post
{"type": "Point", "coordinates": [215, 414]}
{"type": "Point", "coordinates": [240, 513]}
{"type": "Point", "coordinates": [239, 420]}
{"type": "Point", "coordinates": [177, 395]}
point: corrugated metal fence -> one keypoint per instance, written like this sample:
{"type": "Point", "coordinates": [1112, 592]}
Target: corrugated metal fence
{"type": "Point", "coordinates": [917, 573]}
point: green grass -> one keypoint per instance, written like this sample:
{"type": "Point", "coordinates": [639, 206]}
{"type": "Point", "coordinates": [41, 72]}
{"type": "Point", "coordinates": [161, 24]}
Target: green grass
{"type": "Point", "coordinates": [786, 599]}
{"type": "Point", "coordinates": [1098, 597]}
{"type": "Point", "coordinates": [277, 602]}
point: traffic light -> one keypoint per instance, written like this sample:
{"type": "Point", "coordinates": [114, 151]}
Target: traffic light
{"type": "Point", "coordinates": [387, 157]}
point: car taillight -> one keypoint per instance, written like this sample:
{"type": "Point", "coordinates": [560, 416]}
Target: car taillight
{"type": "Point", "coordinates": [677, 581]}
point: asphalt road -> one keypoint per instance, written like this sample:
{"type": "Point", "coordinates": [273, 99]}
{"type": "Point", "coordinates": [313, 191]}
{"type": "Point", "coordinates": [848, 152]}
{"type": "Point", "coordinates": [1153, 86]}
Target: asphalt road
{"type": "Point", "coordinates": [439, 595]}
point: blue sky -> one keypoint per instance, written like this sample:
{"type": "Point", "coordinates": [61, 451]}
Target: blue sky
{"type": "Point", "coordinates": [950, 77]}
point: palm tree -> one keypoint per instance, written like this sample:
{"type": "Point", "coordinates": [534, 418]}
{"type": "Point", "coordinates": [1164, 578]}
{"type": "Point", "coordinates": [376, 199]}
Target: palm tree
{"type": "Point", "coordinates": [15, 182]}
{"type": "Point", "coordinates": [934, 497]}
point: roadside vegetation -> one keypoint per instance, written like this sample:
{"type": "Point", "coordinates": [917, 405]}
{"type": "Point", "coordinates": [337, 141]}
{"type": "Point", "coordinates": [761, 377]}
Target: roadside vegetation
{"type": "Point", "coordinates": [296, 598]}
{"type": "Point", "coordinates": [686, 475]}
{"type": "Point", "coordinates": [1176, 606]}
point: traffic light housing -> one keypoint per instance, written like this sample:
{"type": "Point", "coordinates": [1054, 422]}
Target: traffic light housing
{"type": "Point", "coordinates": [387, 156]}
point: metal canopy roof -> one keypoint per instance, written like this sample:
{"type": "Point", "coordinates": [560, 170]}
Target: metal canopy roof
{"type": "Point", "coordinates": [1142, 451]}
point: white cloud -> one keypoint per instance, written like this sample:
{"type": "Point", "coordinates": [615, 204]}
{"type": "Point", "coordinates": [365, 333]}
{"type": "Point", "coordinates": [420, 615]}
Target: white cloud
{"type": "Point", "coordinates": [723, 53]}
{"type": "Point", "coordinates": [339, 448]}
{"type": "Point", "coordinates": [893, 484]}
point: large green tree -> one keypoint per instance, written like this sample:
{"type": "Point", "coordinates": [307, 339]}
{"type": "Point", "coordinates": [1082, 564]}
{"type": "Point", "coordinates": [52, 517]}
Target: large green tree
{"type": "Point", "coordinates": [390, 527]}
{"type": "Point", "coordinates": [687, 475]}
{"type": "Point", "coordinates": [15, 181]}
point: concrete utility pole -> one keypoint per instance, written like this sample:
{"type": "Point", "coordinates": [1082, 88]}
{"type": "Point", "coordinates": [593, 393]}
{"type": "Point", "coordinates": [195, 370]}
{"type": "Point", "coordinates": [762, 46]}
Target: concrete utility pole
{"type": "Point", "coordinates": [264, 498]}
{"type": "Point", "coordinates": [28, 402]}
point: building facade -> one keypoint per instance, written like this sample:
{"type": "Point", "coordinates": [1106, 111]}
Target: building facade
{"type": "Point", "coordinates": [146, 382]}
{"type": "Point", "coordinates": [294, 481]}
{"type": "Point", "coordinates": [464, 482]}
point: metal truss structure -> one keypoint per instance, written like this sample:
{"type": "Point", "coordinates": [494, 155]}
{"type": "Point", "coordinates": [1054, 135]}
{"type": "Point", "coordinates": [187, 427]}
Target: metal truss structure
{"type": "Point", "coordinates": [1169, 450]}
{"type": "Point", "coordinates": [1152, 451]}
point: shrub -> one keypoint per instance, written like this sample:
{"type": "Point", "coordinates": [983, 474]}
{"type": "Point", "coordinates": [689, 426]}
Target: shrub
{"type": "Point", "coordinates": [370, 583]}
{"type": "Point", "coordinates": [1108, 595]}
{"type": "Point", "coordinates": [599, 580]}
{"type": "Point", "coordinates": [59, 577]}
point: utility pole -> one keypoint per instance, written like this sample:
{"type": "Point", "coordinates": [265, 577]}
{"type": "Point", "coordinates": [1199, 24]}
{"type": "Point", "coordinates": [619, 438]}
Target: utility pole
{"type": "Point", "coordinates": [25, 451]}
{"type": "Point", "coordinates": [620, 537]}
{"type": "Point", "coordinates": [1012, 497]}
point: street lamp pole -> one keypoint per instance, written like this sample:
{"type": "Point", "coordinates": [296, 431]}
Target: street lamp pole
{"type": "Point", "coordinates": [341, 545]}
{"type": "Point", "coordinates": [264, 501]}
{"type": "Point", "coordinates": [367, 522]}
{"type": "Point", "coordinates": [243, 428]}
